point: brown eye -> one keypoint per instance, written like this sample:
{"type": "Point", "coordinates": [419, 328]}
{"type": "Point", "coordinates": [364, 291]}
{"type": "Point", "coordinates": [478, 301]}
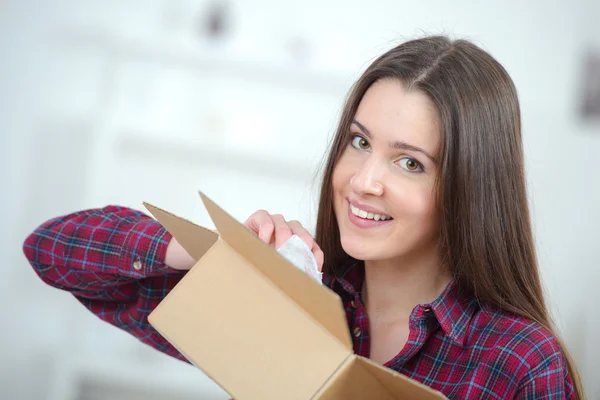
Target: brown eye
{"type": "Point", "coordinates": [410, 164]}
{"type": "Point", "coordinates": [360, 143]}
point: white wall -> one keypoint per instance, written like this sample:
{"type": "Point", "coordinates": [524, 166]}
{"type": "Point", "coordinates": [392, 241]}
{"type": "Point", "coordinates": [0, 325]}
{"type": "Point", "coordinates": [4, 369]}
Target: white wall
{"type": "Point", "coordinates": [93, 93]}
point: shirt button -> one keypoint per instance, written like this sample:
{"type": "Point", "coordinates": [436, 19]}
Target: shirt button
{"type": "Point", "coordinates": [357, 331]}
{"type": "Point", "coordinates": [427, 309]}
{"type": "Point", "coordinates": [353, 304]}
{"type": "Point", "coordinates": [137, 265]}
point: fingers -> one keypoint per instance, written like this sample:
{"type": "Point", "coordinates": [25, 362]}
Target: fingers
{"type": "Point", "coordinates": [298, 230]}
{"type": "Point", "coordinates": [261, 223]}
{"type": "Point", "coordinates": [275, 231]}
{"type": "Point", "coordinates": [282, 230]}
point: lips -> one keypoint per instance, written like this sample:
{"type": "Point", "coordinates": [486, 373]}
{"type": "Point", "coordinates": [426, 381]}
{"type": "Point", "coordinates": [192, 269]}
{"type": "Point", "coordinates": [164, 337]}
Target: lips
{"type": "Point", "coordinates": [367, 209]}
{"type": "Point", "coordinates": [366, 223]}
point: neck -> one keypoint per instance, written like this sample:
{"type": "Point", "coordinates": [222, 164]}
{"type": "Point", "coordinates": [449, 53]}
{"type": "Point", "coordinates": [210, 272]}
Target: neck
{"type": "Point", "coordinates": [392, 288]}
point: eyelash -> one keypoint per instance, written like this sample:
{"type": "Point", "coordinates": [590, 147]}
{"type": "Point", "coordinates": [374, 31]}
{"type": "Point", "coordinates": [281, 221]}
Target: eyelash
{"type": "Point", "coordinates": [355, 136]}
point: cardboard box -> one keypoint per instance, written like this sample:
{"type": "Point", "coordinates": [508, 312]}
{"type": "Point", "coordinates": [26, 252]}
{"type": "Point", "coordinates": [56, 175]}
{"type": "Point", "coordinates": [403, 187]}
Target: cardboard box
{"type": "Point", "coordinates": [260, 327]}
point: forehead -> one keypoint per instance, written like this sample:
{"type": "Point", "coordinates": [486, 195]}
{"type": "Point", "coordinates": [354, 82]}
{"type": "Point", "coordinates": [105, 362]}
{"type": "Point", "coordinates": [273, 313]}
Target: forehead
{"type": "Point", "coordinates": [391, 113]}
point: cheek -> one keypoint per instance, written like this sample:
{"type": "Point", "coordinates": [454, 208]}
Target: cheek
{"type": "Point", "coordinates": [415, 204]}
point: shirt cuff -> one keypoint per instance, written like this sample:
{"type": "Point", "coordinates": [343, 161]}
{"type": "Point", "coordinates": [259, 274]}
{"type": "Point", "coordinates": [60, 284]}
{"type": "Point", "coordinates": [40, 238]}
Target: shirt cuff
{"type": "Point", "coordinates": [144, 250]}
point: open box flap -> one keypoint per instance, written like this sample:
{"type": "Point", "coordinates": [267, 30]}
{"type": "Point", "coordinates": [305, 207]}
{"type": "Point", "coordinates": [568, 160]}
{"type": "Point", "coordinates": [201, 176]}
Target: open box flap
{"type": "Point", "coordinates": [352, 382]}
{"type": "Point", "coordinates": [195, 239]}
{"type": "Point", "coordinates": [397, 384]}
{"type": "Point", "coordinates": [360, 378]}
{"type": "Point", "coordinates": [320, 302]}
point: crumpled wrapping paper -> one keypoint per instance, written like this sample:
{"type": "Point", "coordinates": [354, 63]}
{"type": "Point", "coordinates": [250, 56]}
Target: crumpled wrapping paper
{"type": "Point", "coordinates": [300, 255]}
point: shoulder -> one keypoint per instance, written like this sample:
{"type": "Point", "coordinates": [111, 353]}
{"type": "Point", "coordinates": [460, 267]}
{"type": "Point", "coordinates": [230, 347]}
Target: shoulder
{"type": "Point", "coordinates": [519, 346]}
{"type": "Point", "coordinates": [522, 338]}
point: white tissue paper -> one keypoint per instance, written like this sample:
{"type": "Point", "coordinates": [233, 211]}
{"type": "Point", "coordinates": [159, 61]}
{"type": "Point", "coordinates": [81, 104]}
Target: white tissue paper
{"type": "Point", "coordinates": [300, 255]}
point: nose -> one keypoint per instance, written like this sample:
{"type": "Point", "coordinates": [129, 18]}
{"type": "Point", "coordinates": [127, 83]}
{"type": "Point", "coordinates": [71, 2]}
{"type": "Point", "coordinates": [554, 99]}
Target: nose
{"type": "Point", "coordinates": [367, 179]}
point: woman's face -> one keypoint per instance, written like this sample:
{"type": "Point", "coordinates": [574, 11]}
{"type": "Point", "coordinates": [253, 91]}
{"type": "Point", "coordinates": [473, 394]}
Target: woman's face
{"type": "Point", "coordinates": [386, 175]}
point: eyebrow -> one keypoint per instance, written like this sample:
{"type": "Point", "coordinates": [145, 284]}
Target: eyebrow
{"type": "Point", "coordinates": [396, 144]}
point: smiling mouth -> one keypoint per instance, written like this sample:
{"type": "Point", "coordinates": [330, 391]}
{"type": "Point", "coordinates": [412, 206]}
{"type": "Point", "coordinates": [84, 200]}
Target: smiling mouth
{"type": "Point", "coordinates": [368, 215]}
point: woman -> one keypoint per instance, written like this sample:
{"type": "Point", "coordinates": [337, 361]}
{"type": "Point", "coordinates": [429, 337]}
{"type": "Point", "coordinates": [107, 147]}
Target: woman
{"type": "Point", "coordinates": [423, 230]}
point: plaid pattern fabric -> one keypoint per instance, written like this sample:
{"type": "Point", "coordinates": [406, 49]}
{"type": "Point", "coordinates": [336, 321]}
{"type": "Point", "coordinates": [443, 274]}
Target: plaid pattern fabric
{"type": "Point", "coordinates": [112, 260]}
{"type": "Point", "coordinates": [464, 350]}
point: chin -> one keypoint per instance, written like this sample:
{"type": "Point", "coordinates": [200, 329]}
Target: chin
{"type": "Point", "coordinates": [359, 249]}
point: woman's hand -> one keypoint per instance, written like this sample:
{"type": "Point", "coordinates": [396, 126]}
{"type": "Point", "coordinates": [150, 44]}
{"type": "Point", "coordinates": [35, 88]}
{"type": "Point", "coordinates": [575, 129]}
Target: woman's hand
{"type": "Point", "coordinates": [271, 229]}
{"type": "Point", "coordinates": [275, 231]}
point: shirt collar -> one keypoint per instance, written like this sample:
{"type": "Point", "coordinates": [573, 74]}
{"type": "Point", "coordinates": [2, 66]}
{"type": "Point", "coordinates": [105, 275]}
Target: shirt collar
{"type": "Point", "coordinates": [452, 310]}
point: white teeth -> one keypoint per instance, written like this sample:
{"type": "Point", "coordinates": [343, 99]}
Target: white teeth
{"type": "Point", "coordinates": [367, 215]}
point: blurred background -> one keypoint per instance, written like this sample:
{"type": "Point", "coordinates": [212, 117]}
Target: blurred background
{"type": "Point", "coordinates": [120, 102]}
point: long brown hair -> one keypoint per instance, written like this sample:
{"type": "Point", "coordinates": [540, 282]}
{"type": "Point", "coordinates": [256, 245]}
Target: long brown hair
{"type": "Point", "coordinates": [485, 235]}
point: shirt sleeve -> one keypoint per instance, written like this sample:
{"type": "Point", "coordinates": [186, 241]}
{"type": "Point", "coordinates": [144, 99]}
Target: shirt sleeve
{"type": "Point", "coordinates": [112, 260]}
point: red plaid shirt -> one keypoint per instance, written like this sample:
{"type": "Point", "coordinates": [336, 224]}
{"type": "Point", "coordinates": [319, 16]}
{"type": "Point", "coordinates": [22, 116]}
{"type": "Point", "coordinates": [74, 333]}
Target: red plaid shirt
{"type": "Point", "coordinates": [112, 261]}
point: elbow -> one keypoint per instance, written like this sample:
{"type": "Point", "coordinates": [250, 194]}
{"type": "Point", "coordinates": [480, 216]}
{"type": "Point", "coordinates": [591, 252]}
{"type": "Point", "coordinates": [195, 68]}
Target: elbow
{"type": "Point", "coordinates": [37, 249]}
{"type": "Point", "coordinates": [31, 251]}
